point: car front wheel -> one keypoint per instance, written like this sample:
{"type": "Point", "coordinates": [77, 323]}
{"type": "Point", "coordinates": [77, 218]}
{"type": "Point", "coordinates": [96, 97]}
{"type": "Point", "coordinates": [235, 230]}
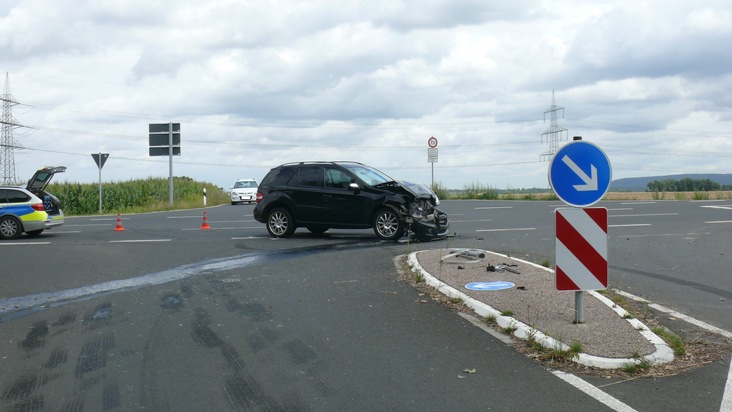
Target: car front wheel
{"type": "Point", "coordinates": [280, 223]}
{"type": "Point", "coordinates": [10, 228]}
{"type": "Point", "coordinates": [388, 225]}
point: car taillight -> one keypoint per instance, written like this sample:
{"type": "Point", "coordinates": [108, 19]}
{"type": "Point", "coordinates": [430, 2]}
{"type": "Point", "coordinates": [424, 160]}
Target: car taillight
{"type": "Point", "coordinates": [260, 196]}
{"type": "Point", "coordinates": [39, 207]}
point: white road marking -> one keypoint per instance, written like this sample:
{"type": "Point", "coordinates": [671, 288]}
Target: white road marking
{"type": "Point", "coordinates": [505, 230]}
{"type": "Point", "coordinates": [223, 228]}
{"type": "Point", "coordinates": [493, 207]}
{"type": "Point", "coordinates": [718, 221]}
{"type": "Point", "coordinates": [593, 391]}
{"type": "Point", "coordinates": [24, 243]}
{"type": "Point", "coordinates": [646, 214]}
{"type": "Point", "coordinates": [140, 240]}
{"type": "Point", "coordinates": [631, 225]}
{"type": "Point", "coordinates": [468, 221]}
{"type": "Point", "coordinates": [727, 396]}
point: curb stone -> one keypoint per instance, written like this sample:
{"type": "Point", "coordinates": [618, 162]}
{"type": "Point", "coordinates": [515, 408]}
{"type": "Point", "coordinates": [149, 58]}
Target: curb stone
{"type": "Point", "coordinates": [662, 354]}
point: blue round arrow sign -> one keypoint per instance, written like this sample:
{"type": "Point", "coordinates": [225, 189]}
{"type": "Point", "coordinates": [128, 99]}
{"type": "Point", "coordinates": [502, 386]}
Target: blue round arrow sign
{"type": "Point", "coordinates": [580, 173]}
{"type": "Point", "coordinates": [489, 285]}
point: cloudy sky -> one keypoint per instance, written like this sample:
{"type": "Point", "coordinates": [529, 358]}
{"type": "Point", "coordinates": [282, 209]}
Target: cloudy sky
{"type": "Point", "coordinates": [258, 83]}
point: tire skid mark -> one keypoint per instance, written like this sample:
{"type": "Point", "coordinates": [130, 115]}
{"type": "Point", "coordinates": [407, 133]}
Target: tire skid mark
{"type": "Point", "coordinates": [243, 392]}
{"type": "Point", "coordinates": [204, 335]}
{"type": "Point", "coordinates": [34, 403]}
{"type": "Point", "coordinates": [57, 358]}
{"type": "Point", "coordinates": [16, 307]}
{"type": "Point", "coordinates": [22, 388]}
{"type": "Point", "coordinates": [65, 319]}
{"type": "Point", "coordinates": [99, 317]}
{"type": "Point", "coordinates": [76, 404]}
{"type": "Point", "coordinates": [94, 355]}
{"type": "Point", "coordinates": [36, 336]}
{"type": "Point", "coordinates": [110, 397]}
{"type": "Point", "coordinates": [299, 351]}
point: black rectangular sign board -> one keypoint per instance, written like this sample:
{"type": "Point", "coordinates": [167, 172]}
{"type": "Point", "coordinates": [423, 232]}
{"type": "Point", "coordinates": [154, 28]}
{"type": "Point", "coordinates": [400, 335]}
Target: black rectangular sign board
{"type": "Point", "coordinates": [163, 127]}
{"type": "Point", "coordinates": [162, 139]}
{"type": "Point", "coordinates": [163, 151]}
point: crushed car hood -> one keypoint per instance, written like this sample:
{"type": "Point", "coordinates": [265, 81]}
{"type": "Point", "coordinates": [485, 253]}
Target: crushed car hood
{"type": "Point", "coordinates": [418, 190]}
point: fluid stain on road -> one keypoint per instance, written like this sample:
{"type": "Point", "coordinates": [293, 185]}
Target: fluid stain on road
{"type": "Point", "coordinates": [17, 307]}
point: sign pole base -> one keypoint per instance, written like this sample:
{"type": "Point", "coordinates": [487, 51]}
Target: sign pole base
{"type": "Point", "coordinates": [579, 307]}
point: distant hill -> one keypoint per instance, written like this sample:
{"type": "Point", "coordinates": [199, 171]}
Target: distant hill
{"type": "Point", "coordinates": [640, 184]}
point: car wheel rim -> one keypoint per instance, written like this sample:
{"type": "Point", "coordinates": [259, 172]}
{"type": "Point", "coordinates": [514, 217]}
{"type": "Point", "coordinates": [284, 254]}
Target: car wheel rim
{"type": "Point", "coordinates": [278, 223]}
{"type": "Point", "coordinates": [8, 228]}
{"type": "Point", "coordinates": [387, 224]}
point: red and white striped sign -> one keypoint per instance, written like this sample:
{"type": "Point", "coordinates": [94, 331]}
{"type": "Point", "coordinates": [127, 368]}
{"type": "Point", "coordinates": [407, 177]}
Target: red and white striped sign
{"type": "Point", "coordinates": [581, 248]}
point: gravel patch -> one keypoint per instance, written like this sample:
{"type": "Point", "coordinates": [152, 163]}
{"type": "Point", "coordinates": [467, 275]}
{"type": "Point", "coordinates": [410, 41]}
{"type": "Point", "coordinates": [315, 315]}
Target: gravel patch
{"type": "Point", "coordinates": [534, 301]}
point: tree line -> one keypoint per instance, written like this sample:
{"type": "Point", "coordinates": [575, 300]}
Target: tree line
{"type": "Point", "coordinates": [686, 185]}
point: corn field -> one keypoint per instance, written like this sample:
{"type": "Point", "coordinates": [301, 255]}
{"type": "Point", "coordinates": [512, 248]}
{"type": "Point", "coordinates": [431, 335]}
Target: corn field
{"type": "Point", "coordinates": [142, 195]}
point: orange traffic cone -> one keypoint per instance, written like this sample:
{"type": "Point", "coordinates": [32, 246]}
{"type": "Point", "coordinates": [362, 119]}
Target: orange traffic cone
{"type": "Point", "coordinates": [205, 225]}
{"type": "Point", "coordinates": [119, 227]}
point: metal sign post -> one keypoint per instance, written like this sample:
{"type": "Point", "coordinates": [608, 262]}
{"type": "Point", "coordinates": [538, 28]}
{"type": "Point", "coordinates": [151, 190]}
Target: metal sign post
{"type": "Point", "coordinates": [99, 159]}
{"type": "Point", "coordinates": [432, 157]}
{"type": "Point", "coordinates": [580, 175]}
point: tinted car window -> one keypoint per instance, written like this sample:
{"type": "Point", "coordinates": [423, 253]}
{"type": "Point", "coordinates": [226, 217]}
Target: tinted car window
{"type": "Point", "coordinates": [14, 196]}
{"type": "Point", "coordinates": [336, 178]}
{"type": "Point", "coordinates": [278, 176]}
{"type": "Point", "coordinates": [308, 176]}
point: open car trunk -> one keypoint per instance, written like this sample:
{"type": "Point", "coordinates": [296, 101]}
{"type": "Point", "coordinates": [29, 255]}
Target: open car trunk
{"type": "Point", "coordinates": [37, 185]}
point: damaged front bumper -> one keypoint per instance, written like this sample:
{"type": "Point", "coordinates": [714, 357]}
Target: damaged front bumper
{"type": "Point", "coordinates": [432, 226]}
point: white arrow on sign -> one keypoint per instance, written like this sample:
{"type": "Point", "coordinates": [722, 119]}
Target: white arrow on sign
{"type": "Point", "coordinates": [590, 182]}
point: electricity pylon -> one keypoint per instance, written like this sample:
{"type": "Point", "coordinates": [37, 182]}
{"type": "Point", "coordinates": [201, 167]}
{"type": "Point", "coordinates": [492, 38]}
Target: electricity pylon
{"type": "Point", "coordinates": [554, 133]}
{"type": "Point", "coordinates": [7, 142]}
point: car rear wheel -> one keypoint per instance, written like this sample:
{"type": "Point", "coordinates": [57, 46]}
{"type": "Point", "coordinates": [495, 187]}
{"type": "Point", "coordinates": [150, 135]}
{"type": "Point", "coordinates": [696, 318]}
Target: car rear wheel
{"type": "Point", "coordinates": [10, 228]}
{"type": "Point", "coordinates": [280, 223]}
{"type": "Point", "coordinates": [388, 225]}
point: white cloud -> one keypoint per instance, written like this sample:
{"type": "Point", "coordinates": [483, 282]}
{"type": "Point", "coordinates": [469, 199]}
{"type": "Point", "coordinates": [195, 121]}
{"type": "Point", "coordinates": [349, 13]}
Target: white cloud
{"type": "Point", "coordinates": [256, 84]}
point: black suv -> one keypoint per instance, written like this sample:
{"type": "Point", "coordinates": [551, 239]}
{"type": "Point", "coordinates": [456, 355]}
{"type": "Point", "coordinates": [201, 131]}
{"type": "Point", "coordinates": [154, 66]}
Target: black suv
{"type": "Point", "coordinates": [346, 195]}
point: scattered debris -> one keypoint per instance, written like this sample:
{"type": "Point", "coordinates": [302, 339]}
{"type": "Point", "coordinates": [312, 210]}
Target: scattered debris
{"type": "Point", "coordinates": [502, 267]}
{"type": "Point", "coordinates": [469, 371]}
{"type": "Point", "coordinates": [474, 255]}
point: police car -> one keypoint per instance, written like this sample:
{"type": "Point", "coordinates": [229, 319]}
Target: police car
{"type": "Point", "coordinates": [30, 210]}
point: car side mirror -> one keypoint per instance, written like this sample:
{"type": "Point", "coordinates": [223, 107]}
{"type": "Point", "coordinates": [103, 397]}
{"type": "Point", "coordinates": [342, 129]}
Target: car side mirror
{"type": "Point", "coordinates": [355, 187]}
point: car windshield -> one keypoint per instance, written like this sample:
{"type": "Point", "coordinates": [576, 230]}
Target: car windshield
{"type": "Point", "coordinates": [368, 174]}
{"type": "Point", "coordinates": [239, 185]}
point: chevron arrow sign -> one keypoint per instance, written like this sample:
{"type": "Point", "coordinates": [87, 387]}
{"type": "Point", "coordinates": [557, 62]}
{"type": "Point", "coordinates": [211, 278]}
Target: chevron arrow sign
{"type": "Point", "coordinates": [581, 248]}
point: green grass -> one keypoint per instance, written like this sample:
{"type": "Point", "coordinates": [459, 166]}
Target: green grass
{"type": "Point", "coordinates": [674, 341]}
{"type": "Point", "coordinates": [135, 196]}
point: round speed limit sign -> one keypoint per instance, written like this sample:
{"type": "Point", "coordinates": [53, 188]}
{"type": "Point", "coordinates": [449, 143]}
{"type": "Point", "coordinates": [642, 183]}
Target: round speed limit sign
{"type": "Point", "coordinates": [432, 142]}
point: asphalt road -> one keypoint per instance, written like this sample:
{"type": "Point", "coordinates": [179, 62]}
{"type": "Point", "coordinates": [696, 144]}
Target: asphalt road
{"type": "Point", "coordinates": [167, 316]}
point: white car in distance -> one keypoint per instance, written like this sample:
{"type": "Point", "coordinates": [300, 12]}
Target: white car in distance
{"type": "Point", "coordinates": [243, 191]}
